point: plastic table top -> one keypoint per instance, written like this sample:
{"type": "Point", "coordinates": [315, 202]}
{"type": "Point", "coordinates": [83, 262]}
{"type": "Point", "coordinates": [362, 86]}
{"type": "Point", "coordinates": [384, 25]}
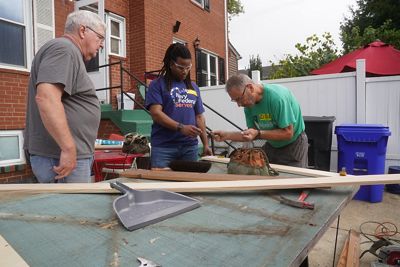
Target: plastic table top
{"type": "Point", "coordinates": [229, 229]}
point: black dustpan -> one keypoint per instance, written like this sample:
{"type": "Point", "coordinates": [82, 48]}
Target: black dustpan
{"type": "Point", "coordinates": [139, 208]}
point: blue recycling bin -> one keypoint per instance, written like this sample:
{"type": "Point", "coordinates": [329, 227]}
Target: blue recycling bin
{"type": "Point", "coordinates": [362, 151]}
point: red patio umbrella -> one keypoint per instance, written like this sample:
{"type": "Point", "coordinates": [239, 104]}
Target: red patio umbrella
{"type": "Point", "coordinates": [381, 60]}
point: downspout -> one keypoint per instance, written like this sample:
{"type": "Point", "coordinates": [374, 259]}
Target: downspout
{"type": "Point", "coordinates": [226, 42]}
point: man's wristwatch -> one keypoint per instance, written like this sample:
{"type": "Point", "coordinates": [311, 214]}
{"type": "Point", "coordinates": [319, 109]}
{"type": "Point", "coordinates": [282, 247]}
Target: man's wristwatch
{"type": "Point", "coordinates": [179, 127]}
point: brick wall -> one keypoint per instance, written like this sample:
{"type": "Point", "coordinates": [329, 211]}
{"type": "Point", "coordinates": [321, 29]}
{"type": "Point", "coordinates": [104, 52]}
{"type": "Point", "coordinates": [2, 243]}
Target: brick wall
{"type": "Point", "coordinates": [106, 128]}
{"type": "Point", "coordinates": [135, 38]}
{"type": "Point", "coordinates": [62, 9]}
{"type": "Point", "coordinates": [159, 18]}
{"type": "Point", "coordinates": [17, 174]}
{"type": "Point", "coordinates": [13, 87]}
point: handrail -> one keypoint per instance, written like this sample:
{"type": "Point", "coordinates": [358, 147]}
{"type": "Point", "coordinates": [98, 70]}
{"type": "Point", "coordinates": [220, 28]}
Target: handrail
{"type": "Point", "coordinates": [121, 86]}
{"type": "Point", "coordinates": [222, 116]}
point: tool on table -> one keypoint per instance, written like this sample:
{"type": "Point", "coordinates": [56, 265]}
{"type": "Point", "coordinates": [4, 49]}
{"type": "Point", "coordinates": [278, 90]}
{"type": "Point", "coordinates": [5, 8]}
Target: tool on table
{"type": "Point", "coordinates": [300, 202]}
{"type": "Point", "coordinates": [190, 166]}
{"type": "Point", "coordinates": [343, 172]}
{"type": "Point", "coordinates": [147, 263]}
{"type": "Point", "coordinates": [389, 254]}
{"type": "Point", "coordinates": [139, 208]}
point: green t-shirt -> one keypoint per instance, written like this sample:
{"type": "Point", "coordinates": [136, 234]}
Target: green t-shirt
{"type": "Point", "coordinates": [277, 109]}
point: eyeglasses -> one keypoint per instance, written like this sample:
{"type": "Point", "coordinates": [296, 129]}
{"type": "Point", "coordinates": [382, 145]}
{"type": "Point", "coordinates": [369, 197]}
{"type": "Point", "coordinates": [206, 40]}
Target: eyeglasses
{"type": "Point", "coordinates": [183, 68]}
{"type": "Point", "coordinates": [240, 98]}
{"type": "Point", "coordinates": [100, 36]}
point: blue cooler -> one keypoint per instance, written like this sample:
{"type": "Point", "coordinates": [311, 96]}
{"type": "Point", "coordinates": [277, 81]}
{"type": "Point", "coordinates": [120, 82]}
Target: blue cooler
{"type": "Point", "coordinates": [362, 151]}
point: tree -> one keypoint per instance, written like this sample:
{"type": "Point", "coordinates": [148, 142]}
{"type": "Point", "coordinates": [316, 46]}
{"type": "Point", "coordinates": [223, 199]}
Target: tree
{"type": "Point", "coordinates": [371, 20]}
{"type": "Point", "coordinates": [235, 8]}
{"type": "Point", "coordinates": [255, 64]}
{"type": "Point", "coordinates": [315, 53]}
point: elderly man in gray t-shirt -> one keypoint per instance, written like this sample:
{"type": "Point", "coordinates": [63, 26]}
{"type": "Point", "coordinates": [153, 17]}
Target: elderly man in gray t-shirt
{"type": "Point", "coordinates": [63, 111]}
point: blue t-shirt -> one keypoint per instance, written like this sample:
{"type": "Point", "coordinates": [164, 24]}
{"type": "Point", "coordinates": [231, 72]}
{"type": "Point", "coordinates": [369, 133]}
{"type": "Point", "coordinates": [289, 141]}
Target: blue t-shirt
{"type": "Point", "coordinates": [180, 104]}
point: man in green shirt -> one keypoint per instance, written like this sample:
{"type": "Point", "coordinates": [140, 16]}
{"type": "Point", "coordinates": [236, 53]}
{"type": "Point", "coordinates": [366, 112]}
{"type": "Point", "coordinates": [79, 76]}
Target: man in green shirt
{"type": "Point", "coordinates": [272, 113]}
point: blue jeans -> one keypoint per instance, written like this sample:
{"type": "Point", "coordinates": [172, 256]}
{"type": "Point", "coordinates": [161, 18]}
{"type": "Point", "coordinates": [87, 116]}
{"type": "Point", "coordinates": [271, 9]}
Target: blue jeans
{"type": "Point", "coordinates": [42, 168]}
{"type": "Point", "coordinates": [162, 156]}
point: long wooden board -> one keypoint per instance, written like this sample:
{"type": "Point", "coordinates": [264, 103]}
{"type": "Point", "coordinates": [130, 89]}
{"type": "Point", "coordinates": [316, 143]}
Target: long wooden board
{"type": "Point", "coordinates": [111, 147]}
{"type": "Point", "coordinates": [280, 168]}
{"type": "Point", "coordinates": [353, 252]}
{"type": "Point", "coordinates": [216, 186]}
{"type": "Point", "coordinates": [349, 257]}
{"type": "Point", "coordinates": [343, 255]}
{"type": "Point", "coordinates": [8, 256]}
{"type": "Point", "coordinates": [191, 176]}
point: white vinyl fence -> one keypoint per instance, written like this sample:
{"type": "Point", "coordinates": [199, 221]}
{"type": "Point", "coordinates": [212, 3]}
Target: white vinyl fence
{"type": "Point", "coordinates": [350, 97]}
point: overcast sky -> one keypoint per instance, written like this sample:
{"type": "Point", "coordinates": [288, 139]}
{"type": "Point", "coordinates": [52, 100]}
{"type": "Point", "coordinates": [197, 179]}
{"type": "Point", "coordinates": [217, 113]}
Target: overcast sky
{"type": "Point", "coordinates": [271, 28]}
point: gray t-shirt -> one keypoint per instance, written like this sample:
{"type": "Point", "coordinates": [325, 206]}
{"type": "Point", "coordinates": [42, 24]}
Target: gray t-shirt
{"type": "Point", "coordinates": [60, 62]}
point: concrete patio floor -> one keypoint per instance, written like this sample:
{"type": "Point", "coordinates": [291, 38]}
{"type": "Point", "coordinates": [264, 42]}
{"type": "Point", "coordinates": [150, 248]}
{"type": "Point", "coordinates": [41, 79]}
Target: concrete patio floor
{"type": "Point", "coordinates": [356, 213]}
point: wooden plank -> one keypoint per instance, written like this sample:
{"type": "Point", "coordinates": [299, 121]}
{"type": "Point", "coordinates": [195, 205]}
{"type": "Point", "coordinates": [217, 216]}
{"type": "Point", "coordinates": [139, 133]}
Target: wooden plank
{"type": "Point", "coordinates": [216, 159]}
{"type": "Point", "coordinates": [343, 255]}
{"type": "Point", "coordinates": [105, 147]}
{"type": "Point", "coordinates": [303, 171]}
{"type": "Point", "coordinates": [192, 176]}
{"type": "Point", "coordinates": [353, 254]}
{"type": "Point", "coordinates": [281, 168]}
{"type": "Point", "coordinates": [8, 256]}
{"type": "Point", "coordinates": [214, 186]}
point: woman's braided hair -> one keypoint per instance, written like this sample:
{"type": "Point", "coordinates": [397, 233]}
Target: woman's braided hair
{"type": "Point", "coordinates": [173, 52]}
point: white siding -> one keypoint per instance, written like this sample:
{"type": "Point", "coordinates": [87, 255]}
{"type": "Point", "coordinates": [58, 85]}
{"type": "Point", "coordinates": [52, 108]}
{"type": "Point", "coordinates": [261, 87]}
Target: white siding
{"type": "Point", "coordinates": [327, 95]}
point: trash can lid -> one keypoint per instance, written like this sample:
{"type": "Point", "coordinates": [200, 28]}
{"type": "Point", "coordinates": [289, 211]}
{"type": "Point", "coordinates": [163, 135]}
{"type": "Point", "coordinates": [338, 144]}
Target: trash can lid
{"type": "Point", "coordinates": [362, 128]}
{"type": "Point", "coordinates": [319, 119]}
{"type": "Point", "coordinates": [364, 132]}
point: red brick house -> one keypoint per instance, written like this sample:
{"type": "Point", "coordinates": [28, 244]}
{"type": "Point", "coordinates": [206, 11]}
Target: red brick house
{"type": "Point", "coordinates": [138, 33]}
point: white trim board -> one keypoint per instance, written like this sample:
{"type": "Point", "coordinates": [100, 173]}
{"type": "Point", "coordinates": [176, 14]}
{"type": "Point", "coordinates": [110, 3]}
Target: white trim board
{"type": "Point", "coordinates": [218, 186]}
{"type": "Point", "coordinates": [8, 256]}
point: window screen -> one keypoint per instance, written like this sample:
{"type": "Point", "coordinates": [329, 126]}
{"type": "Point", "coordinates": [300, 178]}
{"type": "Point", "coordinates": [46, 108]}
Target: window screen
{"type": "Point", "coordinates": [9, 148]}
{"type": "Point", "coordinates": [12, 48]}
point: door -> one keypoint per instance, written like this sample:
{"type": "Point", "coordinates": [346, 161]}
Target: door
{"type": "Point", "coordinates": [98, 75]}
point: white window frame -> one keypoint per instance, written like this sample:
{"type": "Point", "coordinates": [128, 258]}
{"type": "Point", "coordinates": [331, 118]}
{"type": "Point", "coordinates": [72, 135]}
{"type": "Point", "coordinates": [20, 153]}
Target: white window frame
{"type": "Point", "coordinates": [21, 159]}
{"type": "Point", "coordinates": [209, 55]}
{"type": "Point", "coordinates": [27, 5]}
{"type": "Point", "coordinates": [122, 38]}
{"type": "Point", "coordinates": [177, 40]}
{"type": "Point", "coordinates": [199, 4]}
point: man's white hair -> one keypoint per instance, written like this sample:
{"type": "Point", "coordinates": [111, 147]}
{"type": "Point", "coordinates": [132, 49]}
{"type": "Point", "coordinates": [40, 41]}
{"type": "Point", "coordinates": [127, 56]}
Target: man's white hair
{"type": "Point", "coordinates": [84, 18]}
{"type": "Point", "coordinates": [237, 81]}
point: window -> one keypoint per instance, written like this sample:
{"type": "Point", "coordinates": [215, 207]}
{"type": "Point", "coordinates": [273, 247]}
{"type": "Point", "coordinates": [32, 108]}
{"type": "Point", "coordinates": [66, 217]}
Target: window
{"type": "Point", "coordinates": [209, 68]}
{"type": "Point", "coordinates": [44, 22]}
{"type": "Point", "coordinates": [176, 40]}
{"type": "Point", "coordinates": [203, 3]}
{"type": "Point", "coordinates": [11, 148]}
{"type": "Point", "coordinates": [116, 33]}
{"type": "Point", "coordinates": [15, 33]}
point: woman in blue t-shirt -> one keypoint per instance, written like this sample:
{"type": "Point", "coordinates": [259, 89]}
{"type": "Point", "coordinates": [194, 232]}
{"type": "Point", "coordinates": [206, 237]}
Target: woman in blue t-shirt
{"type": "Point", "coordinates": [177, 110]}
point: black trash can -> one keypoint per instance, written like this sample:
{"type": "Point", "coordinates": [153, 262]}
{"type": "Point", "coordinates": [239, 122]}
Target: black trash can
{"type": "Point", "coordinates": [393, 188]}
{"type": "Point", "coordinates": [319, 133]}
